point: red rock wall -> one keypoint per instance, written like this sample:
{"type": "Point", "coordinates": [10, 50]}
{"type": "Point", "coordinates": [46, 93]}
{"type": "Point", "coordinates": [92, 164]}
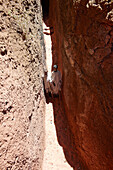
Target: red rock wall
{"type": "Point", "coordinates": [83, 49]}
{"type": "Point", "coordinates": [22, 102]}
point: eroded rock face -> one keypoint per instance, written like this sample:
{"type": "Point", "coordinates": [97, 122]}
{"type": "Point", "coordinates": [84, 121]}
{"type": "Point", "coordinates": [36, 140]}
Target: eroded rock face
{"type": "Point", "coordinates": [83, 49]}
{"type": "Point", "coordinates": [21, 90]}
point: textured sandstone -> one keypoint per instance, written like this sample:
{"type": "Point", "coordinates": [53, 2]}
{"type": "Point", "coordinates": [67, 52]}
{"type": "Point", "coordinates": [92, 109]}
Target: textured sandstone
{"type": "Point", "coordinates": [83, 49]}
{"type": "Point", "coordinates": [21, 90]}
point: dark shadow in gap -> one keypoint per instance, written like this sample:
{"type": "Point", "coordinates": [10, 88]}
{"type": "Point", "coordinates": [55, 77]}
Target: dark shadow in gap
{"type": "Point", "coordinates": [45, 10]}
{"type": "Point", "coordinates": [64, 135]}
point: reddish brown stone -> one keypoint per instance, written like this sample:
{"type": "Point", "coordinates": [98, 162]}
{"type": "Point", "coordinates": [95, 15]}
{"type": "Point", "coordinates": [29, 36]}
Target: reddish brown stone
{"type": "Point", "coordinates": [87, 78]}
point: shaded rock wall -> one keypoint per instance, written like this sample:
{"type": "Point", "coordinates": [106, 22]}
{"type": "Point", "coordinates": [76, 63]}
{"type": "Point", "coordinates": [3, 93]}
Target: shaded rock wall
{"type": "Point", "coordinates": [22, 102]}
{"type": "Point", "coordinates": [83, 49]}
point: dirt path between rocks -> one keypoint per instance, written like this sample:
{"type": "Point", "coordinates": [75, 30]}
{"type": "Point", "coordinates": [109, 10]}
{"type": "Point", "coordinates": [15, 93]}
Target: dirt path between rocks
{"type": "Point", "coordinates": [53, 155]}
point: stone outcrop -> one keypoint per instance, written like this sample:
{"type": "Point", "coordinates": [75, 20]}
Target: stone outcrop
{"type": "Point", "coordinates": [22, 103]}
{"type": "Point", "coordinates": [83, 49]}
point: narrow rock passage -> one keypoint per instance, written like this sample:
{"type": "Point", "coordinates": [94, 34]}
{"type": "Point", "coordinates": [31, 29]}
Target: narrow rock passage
{"type": "Point", "coordinates": [53, 155]}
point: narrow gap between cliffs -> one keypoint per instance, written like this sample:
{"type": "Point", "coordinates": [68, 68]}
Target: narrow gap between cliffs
{"type": "Point", "coordinates": [45, 9]}
{"type": "Point", "coordinates": [54, 121]}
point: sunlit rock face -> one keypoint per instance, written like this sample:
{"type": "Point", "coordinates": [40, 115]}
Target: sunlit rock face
{"type": "Point", "coordinates": [83, 49]}
{"type": "Point", "coordinates": [21, 88]}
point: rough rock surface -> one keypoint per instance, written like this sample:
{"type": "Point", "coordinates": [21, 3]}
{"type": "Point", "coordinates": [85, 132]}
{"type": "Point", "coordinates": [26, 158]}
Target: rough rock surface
{"type": "Point", "coordinates": [83, 49]}
{"type": "Point", "coordinates": [22, 101]}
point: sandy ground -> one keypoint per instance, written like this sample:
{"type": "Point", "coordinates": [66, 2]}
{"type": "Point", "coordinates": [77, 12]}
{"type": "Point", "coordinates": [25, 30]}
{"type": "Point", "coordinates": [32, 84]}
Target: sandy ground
{"type": "Point", "coordinates": [53, 155]}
